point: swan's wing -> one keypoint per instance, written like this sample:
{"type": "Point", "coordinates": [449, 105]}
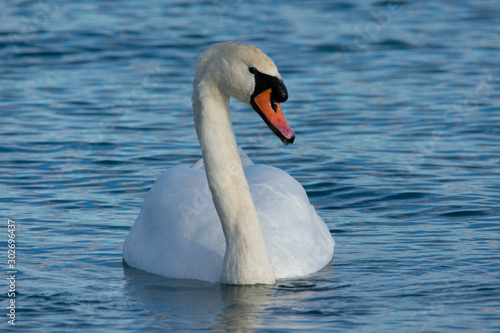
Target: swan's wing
{"type": "Point", "coordinates": [245, 160]}
{"type": "Point", "coordinates": [298, 241]}
{"type": "Point", "coordinates": [178, 232]}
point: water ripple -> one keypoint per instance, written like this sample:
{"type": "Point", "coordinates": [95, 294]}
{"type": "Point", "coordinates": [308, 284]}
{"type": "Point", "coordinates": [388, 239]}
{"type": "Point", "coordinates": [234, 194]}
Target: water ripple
{"type": "Point", "coordinates": [395, 106]}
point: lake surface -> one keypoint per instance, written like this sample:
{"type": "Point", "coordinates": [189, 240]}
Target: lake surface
{"type": "Point", "coordinates": [396, 110]}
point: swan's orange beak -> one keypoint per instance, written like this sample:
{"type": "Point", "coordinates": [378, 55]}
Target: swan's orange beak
{"type": "Point", "coordinates": [271, 112]}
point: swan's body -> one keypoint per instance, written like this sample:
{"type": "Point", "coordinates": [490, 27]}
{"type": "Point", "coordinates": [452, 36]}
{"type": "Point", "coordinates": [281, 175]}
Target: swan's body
{"type": "Point", "coordinates": [228, 223]}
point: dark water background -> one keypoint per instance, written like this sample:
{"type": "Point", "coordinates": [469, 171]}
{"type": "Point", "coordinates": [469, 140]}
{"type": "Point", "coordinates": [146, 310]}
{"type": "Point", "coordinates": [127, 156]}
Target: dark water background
{"type": "Point", "coordinates": [396, 109]}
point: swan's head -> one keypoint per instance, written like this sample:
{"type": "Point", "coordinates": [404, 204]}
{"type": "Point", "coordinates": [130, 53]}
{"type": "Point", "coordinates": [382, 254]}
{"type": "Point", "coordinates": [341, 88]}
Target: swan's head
{"type": "Point", "coordinates": [246, 73]}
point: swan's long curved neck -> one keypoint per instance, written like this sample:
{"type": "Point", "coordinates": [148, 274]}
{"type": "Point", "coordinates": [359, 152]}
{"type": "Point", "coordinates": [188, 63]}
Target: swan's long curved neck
{"type": "Point", "coordinates": [246, 260]}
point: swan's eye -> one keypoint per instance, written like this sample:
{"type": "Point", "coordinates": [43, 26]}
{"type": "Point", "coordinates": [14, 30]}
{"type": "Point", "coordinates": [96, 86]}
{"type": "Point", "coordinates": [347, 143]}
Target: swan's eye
{"type": "Point", "coordinates": [252, 70]}
{"type": "Point", "coordinates": [273, 104]}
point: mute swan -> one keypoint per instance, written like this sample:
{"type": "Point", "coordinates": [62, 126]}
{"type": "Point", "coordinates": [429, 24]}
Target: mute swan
{"type": "Point", "coordinates": [219, 221]}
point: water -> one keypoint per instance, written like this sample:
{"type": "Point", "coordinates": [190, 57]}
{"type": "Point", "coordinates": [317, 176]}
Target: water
{"type": "Point", "coordinates": [396, 110]}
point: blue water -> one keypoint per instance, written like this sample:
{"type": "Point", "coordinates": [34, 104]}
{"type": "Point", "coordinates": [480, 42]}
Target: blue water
{"type": "Point", "coordinates": [396, 110]}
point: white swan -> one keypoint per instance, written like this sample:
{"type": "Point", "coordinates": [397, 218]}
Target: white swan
{"type": "Point", "coordinates": [229, 223]}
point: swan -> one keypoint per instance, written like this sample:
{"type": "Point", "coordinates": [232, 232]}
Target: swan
{"type": "Point", "coordinates": [226, 219]}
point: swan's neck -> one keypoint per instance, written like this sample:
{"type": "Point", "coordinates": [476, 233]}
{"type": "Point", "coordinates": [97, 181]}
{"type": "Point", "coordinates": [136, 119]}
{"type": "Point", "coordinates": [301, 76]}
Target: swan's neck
{"type": "Point", "coordinates": [246, 260]}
